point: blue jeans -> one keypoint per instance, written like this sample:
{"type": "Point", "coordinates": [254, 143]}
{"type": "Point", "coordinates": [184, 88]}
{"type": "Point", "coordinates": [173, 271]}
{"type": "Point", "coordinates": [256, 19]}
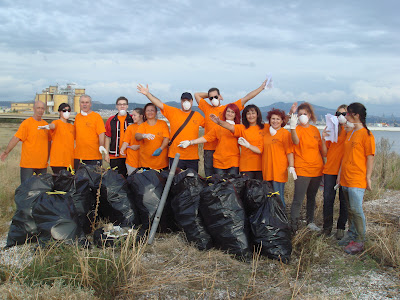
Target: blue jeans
{"type": "Point", "coordinates": [354, 200]}
{"type": "Point", "coordinates": [329, 201]}
{"type": "Point", "coordinates": [208, 162]}
{"type": "Point", "coordinates": [232, 171]}
{"type": "Point", "coordinates": [280, 187]}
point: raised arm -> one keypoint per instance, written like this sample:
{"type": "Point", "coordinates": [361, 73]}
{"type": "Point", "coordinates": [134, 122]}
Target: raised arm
{"type": "Point", "coordinates": [11, 144]}
{"type": "Point", "coordinates": [324, 151]}
{"type": "Point", "coordinates": [293, 124]}
{"type": "Point", "coordinates": [199, 96]}
{"type": "Point", "coordinates": [254, 93]}
{"type": "Point", "coordinates": [145, 91]}
{"type": "Point", "coordinates": [223, 124]}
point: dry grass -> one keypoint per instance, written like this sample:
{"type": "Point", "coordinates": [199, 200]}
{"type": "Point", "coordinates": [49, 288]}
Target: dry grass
{"type": "Point", "coordinates": [171, 268]}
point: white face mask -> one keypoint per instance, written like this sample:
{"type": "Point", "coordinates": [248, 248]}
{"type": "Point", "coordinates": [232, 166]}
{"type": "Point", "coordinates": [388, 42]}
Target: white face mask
{"type": "Point", "coordinates": [230, 122]}
{"type": "Point", "coordinates": [342, 119]}
{"type": "Point", "coordinates": [84, 113]}
{"type": "Point", "coordinates": [349, 124]}
{"type": "Point", "coordinates": [122, 112]}
{"type": "Point", "coordinates": [186, 105]}
{"type": "Point", "coordinates": [66, 115]}
{"type": "Point", "coordinates": [215, 102]}
{"type": "Point", "coordinates": [303, 119]}
{"type": "Point", "coordinates": [272, 131]}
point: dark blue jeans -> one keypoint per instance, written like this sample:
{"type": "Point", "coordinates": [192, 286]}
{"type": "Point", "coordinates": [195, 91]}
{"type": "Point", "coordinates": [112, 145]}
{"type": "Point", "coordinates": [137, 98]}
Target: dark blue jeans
{"type": "Point", "coordinates": [253, 174]}
{"type": "Point", "coordinates": [27, 173]}
{"type": "Point", "coordinates": [329, 201]}
{"type": "Point", "coordinates": [232, 171]}
{"type": "Point", "coordinates": [184, 164]}
{"type": "Point", "coordinates": [208, 162]}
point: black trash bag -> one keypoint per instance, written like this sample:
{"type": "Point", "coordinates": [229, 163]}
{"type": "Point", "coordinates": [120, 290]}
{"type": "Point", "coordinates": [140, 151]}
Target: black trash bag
{"type": "Point", "coordinates": [271, 230]}
{"type": "Point", "coordinates": [147, 187]}
{"type": "Point", "coordinates": [225, 218]}
{"type": "Point", "coordinates": [78, 187]}
{"type": "Point", "coordinates": [185, 198]}
{"type": "Point", "coordinates": [23, 225]}
{"type": "Point", "coordinates": [56, 218]}
{"type": "Point", "coordinates": [119, 206]}
{"type": "Point", "coordinates": [255, 193]}
{"type": "Point", "coordinates": [239, 182]}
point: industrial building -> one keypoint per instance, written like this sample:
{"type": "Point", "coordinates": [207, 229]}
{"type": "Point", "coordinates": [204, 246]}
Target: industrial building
{"type": "Point", "coordinates": [53, 96]}
{"type": "Point", "coordinates": [21, 106]}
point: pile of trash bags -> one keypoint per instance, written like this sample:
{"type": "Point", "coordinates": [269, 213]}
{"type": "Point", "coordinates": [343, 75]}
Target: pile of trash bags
{"type": "Point", "coordinates": [232, 213]}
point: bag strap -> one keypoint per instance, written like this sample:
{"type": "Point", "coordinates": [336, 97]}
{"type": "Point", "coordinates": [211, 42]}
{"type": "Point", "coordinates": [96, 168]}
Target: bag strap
{"type": "Point", "coordinates": [181, 128]}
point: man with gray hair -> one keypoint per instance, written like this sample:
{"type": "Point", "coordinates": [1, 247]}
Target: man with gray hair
{"type": "Point", "coordinates": [35, 144]}
{"type": "Point", "coordinates": [90, 135]}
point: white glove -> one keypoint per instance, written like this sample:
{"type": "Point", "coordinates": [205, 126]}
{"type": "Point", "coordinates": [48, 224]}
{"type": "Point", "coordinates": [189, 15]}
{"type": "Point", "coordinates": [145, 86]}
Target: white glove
{"type": "Point", "coordinates": [148, 136]}
{"type": "Point", "coordinates": [242, 141]}
{"type": "Point", "coordinates": [293, 121]}
{"type": "Point", "coordinates": [102, 150]}
{"type": "Point", "coordinates": [44, 127]}
{"type": "Point", "coordinates": [268, 84]}
{"type": "Point", "coordinates": [293, 172]}
{"type": "Point", "coordinates": [184, 144]}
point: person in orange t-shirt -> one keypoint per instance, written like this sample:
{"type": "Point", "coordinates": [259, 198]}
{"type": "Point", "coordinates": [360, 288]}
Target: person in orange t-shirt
{"type": "Point", "coordinates": [355, 175]}
{"type": "Point", "coordinates": [90, 135]}
{"type": "Point", "coordinates": [334, 155]}
{"type": "Point", "coordinates": [35, 144]}
{"type": "Point", "coordinates": [308, 162]}
{"type": "Point", "coordinates": [277, 155]}
{"type": "Point", "coordinates": [227, 153]}
{"type": "Point", "coordinates": [189, 157]}
{"type": "Point", "coordinates": [154, 134]}
{"type": "Point", "coordinates": [115, 131]}
{"type": "Point", "coordinates": [63, 139]}
{"type": "Point", "coordinates": [216, 108]}
{"type": "Point", "coordinates": [130, 145]}
{"type": "Point", "coordinates": [250, 138]}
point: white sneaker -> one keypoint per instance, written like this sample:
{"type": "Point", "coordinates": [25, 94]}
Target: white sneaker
{"type": "Point", "coordinates": [313, 227]}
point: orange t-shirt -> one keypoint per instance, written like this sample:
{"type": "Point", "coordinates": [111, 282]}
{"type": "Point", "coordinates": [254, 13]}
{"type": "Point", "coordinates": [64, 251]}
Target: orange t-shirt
{"type": "Point", "coordinates": [209, 124]}
{"type": "Point", "coordinates": [88, 128]}
{"type": "Point", "coordinates": [147, 147]}
{"type": "Point", "coordinates": [121, 120]}
{"type": "Point", "coordinates": [250, 161]}
{"type": "Point", "coordinates": [274, 156]}
{"type": "Point", "coordinates": [335, 154]}
{"type": "Point", "coordinates": [357, 146]}
{"type": "Point", "coordinates": [227, 153]}
{"type": "Point", "coordinates": [62, 146]}
{"type": "Point", "coordinates": [35, 144]}
{"type": "Point", "coordinates": [132, 156]}
{"type": "Point", "coordinates": [307, 156]}
{"type": "Point", "coordinates": [176, 118]}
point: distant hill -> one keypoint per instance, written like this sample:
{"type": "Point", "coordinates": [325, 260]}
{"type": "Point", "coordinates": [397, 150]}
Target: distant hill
{"type": "Point", "coordinates": [320, 111]}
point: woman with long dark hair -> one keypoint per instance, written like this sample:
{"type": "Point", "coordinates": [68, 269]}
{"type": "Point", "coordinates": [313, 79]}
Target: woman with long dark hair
{"type": "Point", "coordinates": [308, 162]}
{"type": "Point", "coordinates": [250, 138]}
{"type": "Point", "coordinates": [227, 154]}
{"type": "Point", "coordinates": [355, 175]}
{"type": "Point", "coordinates": [154, 133]}
{"type": "Point", "coordinates": [277, 155]}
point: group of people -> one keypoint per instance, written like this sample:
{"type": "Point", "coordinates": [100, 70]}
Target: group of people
{"type": "Point", "coordinates": [236, 140]}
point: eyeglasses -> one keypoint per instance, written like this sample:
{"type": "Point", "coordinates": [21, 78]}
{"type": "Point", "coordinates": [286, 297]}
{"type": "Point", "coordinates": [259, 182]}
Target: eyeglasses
{"type": "Point", "coordinates": [66, 110]}
{"type": "Point", "coordinates": [215, 97]}
{"type": "Point", "coordinates": [340, 113]}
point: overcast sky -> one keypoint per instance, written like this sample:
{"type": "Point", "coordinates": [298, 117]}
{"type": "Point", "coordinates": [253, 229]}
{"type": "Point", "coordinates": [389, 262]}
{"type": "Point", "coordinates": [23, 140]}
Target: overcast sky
{"type": "Point", "coordinates": [324, 52]}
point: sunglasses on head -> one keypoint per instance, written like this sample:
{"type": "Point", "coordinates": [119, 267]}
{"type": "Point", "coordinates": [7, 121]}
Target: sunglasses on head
{"type": "Point", "coordinates": [66, 110]}
{"type": "Point", "coordinates": [215, 97]}
{"type": "Point", "coordinates": [340, 113]}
